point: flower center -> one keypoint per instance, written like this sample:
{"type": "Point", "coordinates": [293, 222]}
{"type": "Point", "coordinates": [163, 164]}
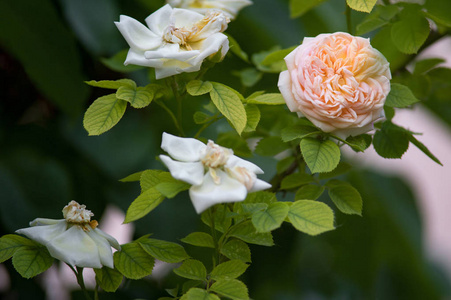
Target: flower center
{"type": "Point", "coordinates": [212, 23]}
{"type": "Point", "coordinates": [76, 213]}
{"type": "Point", "coordinates": [215, 156]}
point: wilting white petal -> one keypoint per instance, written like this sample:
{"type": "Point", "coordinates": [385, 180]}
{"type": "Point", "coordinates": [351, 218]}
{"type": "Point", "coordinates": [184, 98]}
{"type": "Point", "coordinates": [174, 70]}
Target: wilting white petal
{"type": "Point", "coordinates": [113, 242]}
{"type": "Point", "coordinates": [259, 185]}
{"type": "Point", "coordinates": [75, 247]}
{"type": "Point", "coordinates": [171, 51]}
{"type": "Point", "coordinates": [185, 18]}
{"type": "Point", "coordinates": [210, 46]}
{"type": "Point", "coordinates": [44, 221]}
{"type": "Point", "coordinates": [235, 161]}
{"type": "Point", "coordinates": [182, 149]}
{"type": "Point", "coordinates": [103, 247]}
{"type": "Point", "coordinates": [160, 19]}
{"type": "Point", "coordinates": [43, 234]}
{"type": "Point", "coordinates": [137, 35]}
{"type": "Point", "coordinates": [209, 193]}
{"type": "Point", "coordinates": [136, 57]}
{"type": "Point", "coordinates": [190, 172]}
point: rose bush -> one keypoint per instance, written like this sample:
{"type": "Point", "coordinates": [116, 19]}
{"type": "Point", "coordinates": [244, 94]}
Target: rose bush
{"type": "Point", "coordinates": [229, 7]}
{"type": "Point", "coordinates": [337, 81]}
{"type": "Point", "coordinates": [216, 175]}
{"type": "Point", "coordinates": [176, 40]}
{"type": "Point", "coordinates": [74, 239]}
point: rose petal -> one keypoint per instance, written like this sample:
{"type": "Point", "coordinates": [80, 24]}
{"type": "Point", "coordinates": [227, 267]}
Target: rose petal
{"type": "Point", "coordinates": [209, 46]}
{"type": "Point", "coordinates": [259, 185]}
{"type": "Point", "coordinates": [135, 57]}
{"type": "Point", "coordinates": [190, 172]}
{"type": "Point", "coordinates": [160, 19]}
{"type": "Point", "coordinates": [209, 193]}
{"type": "Point", "coordinates": [75, 247]}
{"type": "Point", "coordinates": [171, 51]}
{"type": "Point", "coordinates": [182, 149]}
{"type": "Point", "coordinates": [43, 221]}
{"type": "Point", "coordinates": [185, 17]}
{"type": "Point", "coordinates": [103, 247]}
{"type": "Point", "coordinates": [113, 242]}
{"type": "Point", "coordinates": [235, 161]}
{"type": "Point", "coordinates": [137, 35]}
{"type": "Point", "coordinates": [43, 234]}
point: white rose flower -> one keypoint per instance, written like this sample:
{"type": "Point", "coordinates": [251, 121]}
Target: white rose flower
{"type": "Point", "coordinates": [229, 7]}
{"type": "Point", "coordinates": [74, 239]}
{"type": "Point", "coordinates": [175, 41]}
{"type": "Point", "coordinates": [216, 175]}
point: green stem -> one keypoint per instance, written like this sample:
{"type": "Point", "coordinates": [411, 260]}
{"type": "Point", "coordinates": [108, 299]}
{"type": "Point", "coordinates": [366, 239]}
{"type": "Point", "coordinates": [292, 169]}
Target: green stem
{"type": "Point", "coordinates": [211, 211]}
{"type": "Point", "coordinates": [81, 282]}
{"type": "Point", "coordinates": [348, 19]}
{"type": "Point", "coordinates": [173, 117]}
{"type": "Point", "coordinates": [206, 125]}
{"type": "Point", "coordinates": [178, 99]}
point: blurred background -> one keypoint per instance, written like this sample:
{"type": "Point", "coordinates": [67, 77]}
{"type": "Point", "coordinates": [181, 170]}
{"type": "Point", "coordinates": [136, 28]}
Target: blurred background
{"type": "Point", "coordinates": [399, 249]}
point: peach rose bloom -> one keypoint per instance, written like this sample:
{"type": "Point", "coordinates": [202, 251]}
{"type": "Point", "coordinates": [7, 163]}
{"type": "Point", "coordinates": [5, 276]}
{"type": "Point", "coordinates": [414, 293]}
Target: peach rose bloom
{"type": "Point", "coordinates": [337, 81]}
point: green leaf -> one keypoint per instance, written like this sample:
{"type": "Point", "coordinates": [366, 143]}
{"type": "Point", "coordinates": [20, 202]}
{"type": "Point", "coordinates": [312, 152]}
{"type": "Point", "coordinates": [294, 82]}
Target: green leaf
{"type": "Point", "coordinates": [346, 198]}
{"type": "Point", "coordinates": [137, 97]}
{"type": "Point", "coordinates": [320, 156]}
{"type": "Point", "coordinates": [248, 76]}
{"type": "Point", "coordinates": [298, 132]}
{"type": "Point", "coordinates": [236, 249]}
{"type": "Point", "coordinates": [198, 87]}
{"type": "Point", "coordinates": [247, 232]}
{"type": "Point", "coordinates": [200, 239]}
{"type": "Point", "coordinates": [235, 142]}
{"type": "Point", "coordinates": [144, 204]}
{"type": "Point", "coordinates": [300, 7]}
{"type": "Point", "coordinates": [311, 217]}
{"type": "Point", "coordinates": [309, 192]}
{"type": "Point", "coordinates": [362, 5]}
{"type": "Point", "coordinates": [271, 218]}
{"type": "Point", "coordinates": [201, 117]}
{"type": "Point", "coordinates": [165, 251]}
{"type": "Point", "coordinates": [277, 56]}
{"type": "Point", "coordinates": [112, 84]}
{"type": "Point", "coordinates": [267, 99]}
{"type": "Point", "coordinates": [370, 25]}
{"type": "Point", "coordinates": [192, 269]}
{"type": "Point", "coordinates": [250, 208]}
{"type": "Point", "coordinates": [425, 65]}
{"type": "Point", "coordinates": [103, 114]}
{"type": "Point", "coordinates": [270, 146]}
{"type": "Point", "coordinates": [229, 104]}
{"type": "Point", "coordinates": [132, 177]}
{"type": "Point", "coordinates": [133, 262]}
{"type": "Point", "coordinates": [284, 164]}
{"type": "Point", "coordinates": [116, 63]}
{"type": "Point", "coordinates": [231, 288]}
{"type": "Point", "coordinates": [439, 11]}
{"type": "Point", "coordinates": [390, 142]}
{"type": "Point", "coordinates": [222, 219]}
{"type": "Point", "coordinates": [260, 197]}
{"type": "Point", "coordinates": [400, 96]}
{"type": "Point", "coordinates": [198, 294]}
{"type": "Point", "coordinates": [10, 243]}
{"type": "Point", "coordinates": [342, 168]}
{"type": "Point", "coordinates": [424, 149]}
{"type": "Point", "coordinates": [277, 67]}
{"type": "Point", "coordinates": [410, 32]}
{"type": "Point", "coordinates": [108, 279]}
{"type": "Point", "coordinates": [150, 178]}
{"type": "Point", "coordinates": [229, 270]}
{"type": "Point", "coordinates": [171, 189]}
{"type": "Point", "coordinates": [359, 143]}
{"type": "Point", "coordinates": [31, 261]}
{"type": "Point", "coordinates": [295, 180]}
{"type": "Point", "coordinates": [236, 49]}
{"type": "Point", "coordinates": [253, 117]}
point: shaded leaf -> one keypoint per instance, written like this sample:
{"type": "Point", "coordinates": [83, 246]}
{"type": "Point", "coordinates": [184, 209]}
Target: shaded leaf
{"type": "Point", "coordinates": [236, 249]}
{"type": "Point", "coordinates": [400, 96]}
{"type": "Point", "coordinates": [229, 270]}
{"type": "Point", "coordinates": [165, 251]}
{"type": "Point", "coordinates": [108, 279]}
{"type": "Point", "coordinates": [133, 262]}
{"type": "Point", "coordinates": [271, 218]}
{"type": "Point", "coordinates": [231, 288]}
{"type": "Point", "coordinates": [144, 204]}
{"type": "Point", "coordinates": [200, 239]}
{"type": "Point", "coordinates": [31, 261]}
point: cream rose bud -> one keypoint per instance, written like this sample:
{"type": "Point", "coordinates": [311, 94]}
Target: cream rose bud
{"type": "Point", "coordinates": [74, 239]}
{"type": "Point", "coordinates": [228, 7]}
{"type": "Point", "coordinates": [216, 175]}
{"type": "Point", "coordinates": [175, 41]}
{"type": "Point", "coordinates": [337, 81]}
